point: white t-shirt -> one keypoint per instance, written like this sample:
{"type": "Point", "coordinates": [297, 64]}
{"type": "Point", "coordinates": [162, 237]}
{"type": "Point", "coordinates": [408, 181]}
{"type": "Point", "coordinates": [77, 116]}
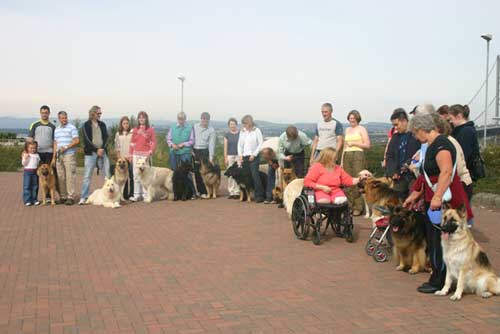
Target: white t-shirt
{"type": "Point", "coordinates": [327, 133]}
{"type": "Point", "coordinates": [31, 161]}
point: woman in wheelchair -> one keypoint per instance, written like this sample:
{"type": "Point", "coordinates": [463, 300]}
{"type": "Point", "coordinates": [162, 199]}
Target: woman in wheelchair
{"type": "Point", "coordinates": [327, 178]}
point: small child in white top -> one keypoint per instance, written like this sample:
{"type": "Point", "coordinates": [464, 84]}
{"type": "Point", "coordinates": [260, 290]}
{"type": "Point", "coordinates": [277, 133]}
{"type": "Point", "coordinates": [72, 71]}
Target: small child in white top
{"type": "Point", "coordinates": [30, 160]}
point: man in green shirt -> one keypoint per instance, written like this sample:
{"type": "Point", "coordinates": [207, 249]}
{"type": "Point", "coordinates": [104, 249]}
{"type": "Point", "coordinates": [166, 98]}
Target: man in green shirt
{"type": "Point", "coordinates": [291, 146]}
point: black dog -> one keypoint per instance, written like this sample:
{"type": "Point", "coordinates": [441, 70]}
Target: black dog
{"type": "Point", "coordinates": [243, 177]}
{"type": "Point", "coordinates": [183, 187]}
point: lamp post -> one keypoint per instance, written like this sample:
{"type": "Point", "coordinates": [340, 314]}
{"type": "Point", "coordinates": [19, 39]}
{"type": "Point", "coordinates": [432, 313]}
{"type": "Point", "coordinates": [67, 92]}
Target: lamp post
{"type": "Point", "coordinates": [487, 38]}
{"type": "Point", "coordinates": [182, 78]}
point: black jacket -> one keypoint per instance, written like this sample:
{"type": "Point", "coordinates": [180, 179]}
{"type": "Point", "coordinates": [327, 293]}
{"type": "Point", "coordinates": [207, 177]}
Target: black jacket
{"type": "Point", "coordinates": [466, 135]}
{"type": "Point", "coordinates": [88, 146]}
{"type": "Point", "coordinates": [393, 159]}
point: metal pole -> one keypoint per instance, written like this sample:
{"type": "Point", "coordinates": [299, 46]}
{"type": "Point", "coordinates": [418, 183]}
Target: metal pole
{"type": "Point", "coordinates": [486, 91]}
{"type": "Point", "coordinates": [497, 102]}
{"type": "Point", "coordinates": [182, 95]}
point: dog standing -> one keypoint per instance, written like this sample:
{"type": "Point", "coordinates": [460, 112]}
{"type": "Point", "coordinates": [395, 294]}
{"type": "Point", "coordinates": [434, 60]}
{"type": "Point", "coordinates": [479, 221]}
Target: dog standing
{"type": "Point", "coordinates": [211, 174]}
{"type": "Point", "coordinates": [243, 177]}
{"type": "Point", "coordinates": [181, 182]}
{"type": "Point", "coordinates": [377, 191]}
{"type": "Point", "coordinates": [156, 181]}
{"type": "Point", "coordinates": [408, 233]}
{"type": "Point", "coordinates": [466, 263]}
{"type": "Point", "coordinates": [47, 179]}
{"type": "Point", "coordinates": [121, 175]}
{"type": "Point", "coordinates": [108, 196]}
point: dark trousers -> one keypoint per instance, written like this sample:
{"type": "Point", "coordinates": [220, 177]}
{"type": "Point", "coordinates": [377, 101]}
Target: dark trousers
{"type": "Point", "coordinates": [271, 181]}
{"type": "Point", "coordinates": [254, 169]}
{"type": "Point", "coordinates": [30, 186]}
{"type": "Point", "coordinates": [468, 191]}
{"type": "Point", "coordinates": [435, 253]}
{"type": "Point", "coordinates": [198, 156]}
{"type": "Point", "coordinates": [128, 190]}
{"type": "Point", "coordinates": [297, 163]}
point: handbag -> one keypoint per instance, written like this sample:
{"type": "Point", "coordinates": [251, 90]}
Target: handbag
{"type": "Point", "coordinates": [447, 194]}
{"type": "Point", "coordinates": [478, 170]}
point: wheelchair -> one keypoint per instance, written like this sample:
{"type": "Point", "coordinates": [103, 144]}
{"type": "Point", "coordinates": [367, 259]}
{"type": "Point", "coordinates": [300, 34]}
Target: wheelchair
{"type": "Point", "coordinates": [308, 215]}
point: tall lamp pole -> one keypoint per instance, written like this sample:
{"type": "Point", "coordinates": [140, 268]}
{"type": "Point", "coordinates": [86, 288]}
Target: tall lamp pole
{"type": "Point", "coordinates": [487, 38]}
{"type": "Point", "coordinates": [182, 78]}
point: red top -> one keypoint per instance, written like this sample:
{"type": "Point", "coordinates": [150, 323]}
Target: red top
{"type": "Point", "coordinates": [143, 141]}
{"type": "Point", "coordinates": [334, 179]}
{"type": "Point", "coordinates": [458, 195]}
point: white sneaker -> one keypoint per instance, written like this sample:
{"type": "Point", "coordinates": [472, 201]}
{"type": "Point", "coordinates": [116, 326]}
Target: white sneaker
{"type": "Point", "coordinates": [204, 196]}
{"type": "Point", "coordinates": [27, 204]}
{"type": "Point", "coordinates": [135, 198]}
{"type": "Point", "coordinates": [82, 201]}
{"type": "Point", "coordinates": [36, 203]}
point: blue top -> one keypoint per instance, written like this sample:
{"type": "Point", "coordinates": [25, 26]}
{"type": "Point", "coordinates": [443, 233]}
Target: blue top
{"type": "Point", "coordinates": [64, 135]}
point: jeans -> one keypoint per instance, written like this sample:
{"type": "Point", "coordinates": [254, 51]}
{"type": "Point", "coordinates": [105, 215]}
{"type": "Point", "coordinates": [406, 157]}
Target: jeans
{"type": "Point", "coordinates": [271, 180]}
{"type": "Point", "coordinates": [90, 164]}
{"type": "Point", "coordinates": [254, 169]}
{"type": "Point", "coordinates": [30, 186]}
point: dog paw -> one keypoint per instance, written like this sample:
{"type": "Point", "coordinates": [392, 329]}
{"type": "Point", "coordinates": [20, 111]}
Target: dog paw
{"type": "Point", "coordinates": [400, 268]}
{"type": "Point", "coordinates": [456, 297]}
{"type": "Point", "coordinates": [442, 292]}
{"type": "Point", "coordinates": [147, 200]}
{"type": "Point", "coordinates": [413, 271]}
{"type": "Point", "coordinates": [486, 294]}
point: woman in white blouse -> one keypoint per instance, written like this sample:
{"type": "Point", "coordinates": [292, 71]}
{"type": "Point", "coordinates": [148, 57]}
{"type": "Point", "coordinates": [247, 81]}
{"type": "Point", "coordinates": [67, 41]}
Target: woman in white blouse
{"type": "Point", "coordinates": [249, 145]}
{"type": "Point", "coordinates": [122, 146]}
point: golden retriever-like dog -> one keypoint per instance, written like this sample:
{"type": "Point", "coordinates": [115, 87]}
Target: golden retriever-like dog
{"type": "Point", "coordinates": [108, 196]}
{"type": "Point", "coordinates": [121, 175]}
{"type": "Point", "coordinates": [466, 263]}
{"type": "Point", "coordinates": [47, 181]}
{"type": "Point", "coordinates": [156, 181]}
{"type": "Point", "coordinates": [211, 174]}
{"type": "Point", "coordinates": [408, 233]}
{"type": "Point", "coordinates": [292, 191]}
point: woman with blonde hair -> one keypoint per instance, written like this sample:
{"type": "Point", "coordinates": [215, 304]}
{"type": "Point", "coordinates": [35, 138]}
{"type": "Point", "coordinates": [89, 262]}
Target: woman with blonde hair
{"type": "Point", "coordinates": [326, 178]}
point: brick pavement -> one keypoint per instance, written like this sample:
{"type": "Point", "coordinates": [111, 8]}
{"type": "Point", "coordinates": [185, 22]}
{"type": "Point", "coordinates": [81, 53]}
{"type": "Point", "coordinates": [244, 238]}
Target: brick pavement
{"type": "Point", "coordinates": [215, 266]}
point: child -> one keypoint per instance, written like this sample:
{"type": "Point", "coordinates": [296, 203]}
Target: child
{"type": "Point", "coordinates": [326, 178]}
{"type": "Point", "coordinates": [30, 160]}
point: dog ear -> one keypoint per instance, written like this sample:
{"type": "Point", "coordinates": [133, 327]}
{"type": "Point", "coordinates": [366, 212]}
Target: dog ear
{"type": "Point", "coordinates": [390, 207]}
{"type": "Point", "coordinates": [462, 210]}
{"type": "Point", "coordinates": [445, 206]}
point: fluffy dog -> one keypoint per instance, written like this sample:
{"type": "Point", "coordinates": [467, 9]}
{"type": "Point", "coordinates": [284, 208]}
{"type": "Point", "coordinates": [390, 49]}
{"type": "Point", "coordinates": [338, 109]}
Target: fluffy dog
{"type": "Point", "coordinates": [378, 191]}
{"type": "Point", "coordinates": [243, 177]}
{"type": "Point", "coordinates": [466, 263]}
{"type": "Point", "coordinates": [108, 196]}
{"type": "Point", "coordinates": [408, 233]}
{"type": "Point", "coordinates": [278, 196]}
{"type": "Point", "coordinates": [121, 175]}
{"type": "Point", "coordinates": [182, 184]}
{"type": "Point", "coordinates": [292, 191]}
{"type": "Point", "coordinates": [47, 179]}
{"type": "Point", "coordinates": [156, 181]}
{"type": "Point", "coordinates": [210, 173]}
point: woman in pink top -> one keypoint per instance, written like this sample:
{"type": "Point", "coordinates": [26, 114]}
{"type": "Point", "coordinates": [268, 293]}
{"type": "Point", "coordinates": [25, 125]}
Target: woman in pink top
{"type": "Point", "coordinates": [326, 178]}
{"type": "Point", "coordinates": [142, 145]}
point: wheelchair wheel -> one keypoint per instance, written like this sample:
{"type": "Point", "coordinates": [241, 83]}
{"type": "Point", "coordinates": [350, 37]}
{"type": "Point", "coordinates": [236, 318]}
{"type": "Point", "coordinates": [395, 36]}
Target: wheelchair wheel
{"type": "Point", "coordinates": [380, 255]}
{"type": "Point", "coordinates": [299, 218]}
{"type": "Point", "coordinates": [370, 248]}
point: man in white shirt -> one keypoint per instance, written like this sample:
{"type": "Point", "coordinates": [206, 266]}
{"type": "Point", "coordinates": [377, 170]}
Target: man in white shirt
{"type": "Point", "coordinates": [329, 133]}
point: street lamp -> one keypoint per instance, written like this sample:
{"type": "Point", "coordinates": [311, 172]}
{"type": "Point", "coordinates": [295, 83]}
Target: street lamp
{"type": "Point", "coordinates": [487, 38]}
{"type": "Point", "coordinates": [182, 78]}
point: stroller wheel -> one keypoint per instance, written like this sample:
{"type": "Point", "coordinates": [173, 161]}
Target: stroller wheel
{"type": "Point", "coordinates": [380, 255]}
{"type": "Point", "coordinates": [370, 248]}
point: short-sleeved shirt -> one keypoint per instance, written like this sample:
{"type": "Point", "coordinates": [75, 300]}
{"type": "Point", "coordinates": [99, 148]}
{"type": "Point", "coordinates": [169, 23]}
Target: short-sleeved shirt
{"type": "Point", "coordinates": [64, 135]}
{"type": "Point", "coordinates": [43, 133]}
{"type": "Point", "coordinates": [441, 143]}
{"type": "Point", "coordinates": [327, 133]}
{"type": "Point", "coordinates": [232, 142]}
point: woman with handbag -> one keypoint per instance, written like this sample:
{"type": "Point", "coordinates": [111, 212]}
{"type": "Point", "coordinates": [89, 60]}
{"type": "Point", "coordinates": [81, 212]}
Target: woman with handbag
{"type": "Point", "coordinates": [437, 183]}
{"type": "Point", "coordinates": [465, 133]}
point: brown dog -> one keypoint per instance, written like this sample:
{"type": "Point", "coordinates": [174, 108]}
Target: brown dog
{"type": "Point", "coordinates": [211, 175]}
{"type": "Point", "coordinates": [378, 191]}
{"type": "Point", "coordinates": [47, 181]}
{"type": "Point", "coordinates": [466, 263]}
{"type": "Point", "coordinates": [121, 175]}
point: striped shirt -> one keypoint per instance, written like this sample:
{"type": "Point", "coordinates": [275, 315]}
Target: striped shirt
{"type": "Point", "coordinates": [64, 135]}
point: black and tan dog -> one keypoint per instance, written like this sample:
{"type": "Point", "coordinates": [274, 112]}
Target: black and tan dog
{"type": "Point", "coordinates": [378, 192]}
{"type": "Point", "coordinates": [466, 263]}
{"type": "Point", "coordinates": [47, 182]}
{"type": "Point", "coordinates": [408, 233]}
{"type": "Point", "coordinates": [121, 175]}
{"type": "Point", "coordinates": [210, 173]}
{"type": "Point", "coordinates": [182, 183]}
{"type": "Point", "coordinates": [243, 177]}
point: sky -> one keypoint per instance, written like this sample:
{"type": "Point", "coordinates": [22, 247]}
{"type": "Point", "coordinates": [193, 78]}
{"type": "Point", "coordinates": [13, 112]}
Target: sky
{"type": "Point", "coordinates": [276, 60]}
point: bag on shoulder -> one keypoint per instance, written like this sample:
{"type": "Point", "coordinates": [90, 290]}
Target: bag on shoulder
{"type": "Point", "coordinates": [478, 170]}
